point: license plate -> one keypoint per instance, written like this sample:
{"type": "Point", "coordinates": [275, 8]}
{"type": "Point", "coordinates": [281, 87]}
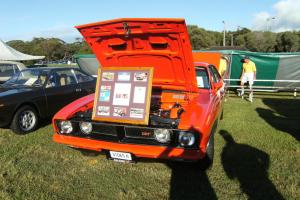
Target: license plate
{"type": "Point", "coordinates": [120, 156]}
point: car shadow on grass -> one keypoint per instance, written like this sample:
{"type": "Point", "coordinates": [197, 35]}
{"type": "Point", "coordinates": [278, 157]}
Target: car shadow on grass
{"type": "Point", "coordinates": [282, 115]}
{"type": "Point", "coordinates": [188, 181]}
{"type": "Point", "coordinates": [249, 166]}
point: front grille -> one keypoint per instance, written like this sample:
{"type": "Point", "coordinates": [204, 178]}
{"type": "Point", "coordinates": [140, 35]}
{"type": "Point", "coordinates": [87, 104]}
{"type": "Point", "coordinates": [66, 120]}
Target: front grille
{"type": "Point", "coordinates": [127, 134]}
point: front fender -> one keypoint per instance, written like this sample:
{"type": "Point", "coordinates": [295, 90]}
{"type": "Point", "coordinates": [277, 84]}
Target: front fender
{"type": "Point", "coordinates": [81, 104]}
{"type": "Point", "coordinates": [200, 116]}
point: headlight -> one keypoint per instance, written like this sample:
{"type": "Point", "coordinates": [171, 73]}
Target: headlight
{"type": "Point", "coordinates": [65, 127]}
{"type": "Point", "coordinates": [186, 139]}
{"type": "Point", "coordinates": [162, 135]}
{"type": "Point", "coordinates": [86, 127]}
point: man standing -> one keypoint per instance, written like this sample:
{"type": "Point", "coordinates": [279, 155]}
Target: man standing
{"type": "Point", "coordinates": [248, 75]}
{"type": "Point", "coordinates": [223, 65]}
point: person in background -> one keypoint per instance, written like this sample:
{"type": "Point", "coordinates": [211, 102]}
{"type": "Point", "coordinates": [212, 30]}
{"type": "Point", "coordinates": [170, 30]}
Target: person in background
{"type": "Point", "coordinates": [248, 75]}
{"type": "Point", "coordinates": [223, 65]}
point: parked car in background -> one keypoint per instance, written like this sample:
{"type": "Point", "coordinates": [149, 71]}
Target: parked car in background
{"type": "Point", "coordinates": [8, 69]}
{"type": "Point", "coordinates": [37, 93]}
{"type": "Point", "coordinates": [186, 102]}
{"type": "Point", "coordinates": [36, 65]}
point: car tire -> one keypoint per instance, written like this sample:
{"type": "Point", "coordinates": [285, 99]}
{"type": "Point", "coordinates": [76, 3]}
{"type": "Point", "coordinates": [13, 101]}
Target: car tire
{"type": "Point", "coordinates": [207, 161]}
{"type": "Point", "coordinates": [222, 114]}
{"type": "Point", "coordinates": [210, 151]}
{"type": "Point", "coordinates": [25, 120]}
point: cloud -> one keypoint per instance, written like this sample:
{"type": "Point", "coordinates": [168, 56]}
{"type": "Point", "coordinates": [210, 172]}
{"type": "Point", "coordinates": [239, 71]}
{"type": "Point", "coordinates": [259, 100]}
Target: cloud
{"type": "Point", "coordinates": [285, 16]}
{"type": "Point", "coordinates": [66, 33]}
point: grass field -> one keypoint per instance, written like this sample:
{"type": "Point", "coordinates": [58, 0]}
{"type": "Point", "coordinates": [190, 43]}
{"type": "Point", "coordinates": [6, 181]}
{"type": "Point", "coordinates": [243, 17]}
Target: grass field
{"type": "Point", "coordinates": [257, 156]}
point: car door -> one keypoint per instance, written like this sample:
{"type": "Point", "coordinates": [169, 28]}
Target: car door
{"type": "Point", "coordinates": [218, 89]}
{"type": "Point", "coordinates": [87, 83]}
{"type": "Point", "coordinates": [61, 89]}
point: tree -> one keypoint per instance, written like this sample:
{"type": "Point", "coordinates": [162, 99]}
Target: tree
{"type": "Point", "coordinates": [269, 42]}
{"type": "Point", "coordinates": [287, 41]}
{"type": "Point", "coordinates": [250, 41]}
{"type": "Point", "coordinates": [54, 48]}
{"type": "Point", "coordinates": [20, 45]}
{"type": "Point", "coordinates": [202, 39]}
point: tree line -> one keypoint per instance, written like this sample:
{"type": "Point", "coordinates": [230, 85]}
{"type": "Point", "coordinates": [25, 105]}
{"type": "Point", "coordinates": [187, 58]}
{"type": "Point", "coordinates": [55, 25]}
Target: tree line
{"type": "Point", "coordinates": [201, 39]}
{"type": "Point", "coordinates": [51, 48]}
{"type": "Point", "coordinates": [257, 41]}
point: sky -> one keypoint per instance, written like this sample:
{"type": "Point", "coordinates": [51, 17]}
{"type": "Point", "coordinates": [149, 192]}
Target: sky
{"type": "Point", "coordinates": [23, 20]}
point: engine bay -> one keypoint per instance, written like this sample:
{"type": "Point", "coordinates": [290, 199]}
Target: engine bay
{"type": "Point", "coordinates": [166, 109]}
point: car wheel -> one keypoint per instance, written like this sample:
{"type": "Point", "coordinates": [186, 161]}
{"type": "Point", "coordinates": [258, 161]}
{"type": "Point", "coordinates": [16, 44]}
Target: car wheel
{"type": "Point", "coordinates": [209, 157]}
{"type": "Point", "coordinates": [207, 161]}
{"type": "Point", "coordinates": [222, 114]}
{"type": "Point", "coordinates": [25, 120]}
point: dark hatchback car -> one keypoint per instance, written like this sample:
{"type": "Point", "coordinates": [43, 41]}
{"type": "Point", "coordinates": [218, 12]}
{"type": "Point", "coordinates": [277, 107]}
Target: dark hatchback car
{"type": "Point", "coordinates": [36, 93]}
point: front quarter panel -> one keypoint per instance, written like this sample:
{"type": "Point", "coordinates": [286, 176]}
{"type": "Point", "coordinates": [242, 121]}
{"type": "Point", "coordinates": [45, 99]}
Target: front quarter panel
{"type": "Point", "coordinates": [12, 100]}
{"type": "Point", "coordinates": [69, 110]}
{"type": "Point", "coordinates": [200, 115]}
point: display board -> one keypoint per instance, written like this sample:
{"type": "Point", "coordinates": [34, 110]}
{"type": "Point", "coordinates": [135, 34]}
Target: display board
{"type": "Point", "coordinates": [123, 95]}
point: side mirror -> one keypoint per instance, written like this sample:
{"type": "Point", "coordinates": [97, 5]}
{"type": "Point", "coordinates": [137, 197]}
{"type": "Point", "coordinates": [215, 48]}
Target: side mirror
{"type": "Point", "coordinates": [218, 85]}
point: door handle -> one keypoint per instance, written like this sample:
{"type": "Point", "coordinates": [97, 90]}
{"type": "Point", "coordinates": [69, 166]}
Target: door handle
{"type": "Point", "coordinates": [78, 89]}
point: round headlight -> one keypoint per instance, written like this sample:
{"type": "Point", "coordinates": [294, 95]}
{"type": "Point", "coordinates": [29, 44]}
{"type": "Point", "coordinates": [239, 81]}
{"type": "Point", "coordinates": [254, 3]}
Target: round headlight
{"type": "Point", "coordinates": [86, 127]}
{"type": "Point", "coordinates": [162, 135]}
{"type": "Point", "coordinates": [66, 127]}
{"type": "Point", "coordinates": [186, 139]}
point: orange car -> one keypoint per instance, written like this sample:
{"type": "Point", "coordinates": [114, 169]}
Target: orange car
{"type": "Point", "coordinates": [186, 102]}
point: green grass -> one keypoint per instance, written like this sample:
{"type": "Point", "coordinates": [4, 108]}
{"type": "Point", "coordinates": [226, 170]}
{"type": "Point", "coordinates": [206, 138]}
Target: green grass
{"type": "Point", "coordinates": [257, 156]}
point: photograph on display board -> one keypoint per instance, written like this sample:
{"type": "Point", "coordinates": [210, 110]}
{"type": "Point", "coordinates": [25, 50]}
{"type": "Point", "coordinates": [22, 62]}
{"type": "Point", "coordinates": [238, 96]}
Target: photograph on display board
{"type": "Point", "coordinates": [119, 111]}
{"type": "Point", "coordinates": [108, 76]}
{"type": "Point", "coordinates": [139, 95]}
{"type": "Point", "coordinates": [103, 110]}
{"type": "Point", "coordinates": [123, 95]}
{"type": "Point", "coordinates": [105, 93]}
{"type": "Point", "coordinates": [123, 76]}
{"type": "Point", "coordinates": [141, 76]}
{"type": "Point", "coordinates": [136, 112]}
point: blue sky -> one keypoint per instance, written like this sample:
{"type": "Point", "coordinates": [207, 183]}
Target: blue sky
{"type": "Point", "coordinates": [53, 18]}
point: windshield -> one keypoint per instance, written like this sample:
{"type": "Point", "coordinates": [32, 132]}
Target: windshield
{"type": "Point", "coordinates": [29, 77]}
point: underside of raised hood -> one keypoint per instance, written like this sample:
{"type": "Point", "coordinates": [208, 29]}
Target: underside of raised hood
{"type": "Point", "coordinates": [159, 43]}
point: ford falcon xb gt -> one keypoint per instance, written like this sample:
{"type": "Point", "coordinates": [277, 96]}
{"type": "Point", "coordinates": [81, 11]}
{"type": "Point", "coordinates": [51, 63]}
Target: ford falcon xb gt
{"type": "Point", "coordinates": [186, 100]}
{"type": "Point", "coordinates": [36, 93]}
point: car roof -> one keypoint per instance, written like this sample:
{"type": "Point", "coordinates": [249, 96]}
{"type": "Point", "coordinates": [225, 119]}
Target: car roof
{"type": "Point", "coordinates": [201, 64]}
{"type": "Point", "coordinates": [9, 62]}
{"type": "Point", "coordinates": [19, 64]}
{"type": "Point", "coordinates": [52, 68]}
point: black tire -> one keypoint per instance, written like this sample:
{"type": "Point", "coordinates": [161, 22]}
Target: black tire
{"type": "Point", "coordinates": [207, 161]}
{"type": "Point", "coordinates": [210, 151]}
{"type": "Point", "coordinates": [22, 124]}
{"type": "Point", "coordinates": [222, 114]}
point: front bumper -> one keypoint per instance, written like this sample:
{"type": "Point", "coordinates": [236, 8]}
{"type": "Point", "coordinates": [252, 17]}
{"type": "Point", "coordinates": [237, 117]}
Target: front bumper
{"type": "Point", "coordinates": [145, 151]}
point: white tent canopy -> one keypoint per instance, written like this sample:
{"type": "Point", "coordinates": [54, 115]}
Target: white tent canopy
{"type": "Point", "coordinates": [8, 53]}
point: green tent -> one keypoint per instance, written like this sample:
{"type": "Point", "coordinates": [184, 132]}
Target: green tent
{"type": "Point", "coordinates": [270, 66]}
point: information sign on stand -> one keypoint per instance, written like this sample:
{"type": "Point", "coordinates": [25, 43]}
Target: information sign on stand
{"type": "Point", "coordinates": [123, 95]}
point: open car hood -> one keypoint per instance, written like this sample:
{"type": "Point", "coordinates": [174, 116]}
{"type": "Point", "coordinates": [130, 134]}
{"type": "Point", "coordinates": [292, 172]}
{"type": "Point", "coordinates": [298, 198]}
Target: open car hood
{"type": "Point", "coordinates": [159, 43]}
